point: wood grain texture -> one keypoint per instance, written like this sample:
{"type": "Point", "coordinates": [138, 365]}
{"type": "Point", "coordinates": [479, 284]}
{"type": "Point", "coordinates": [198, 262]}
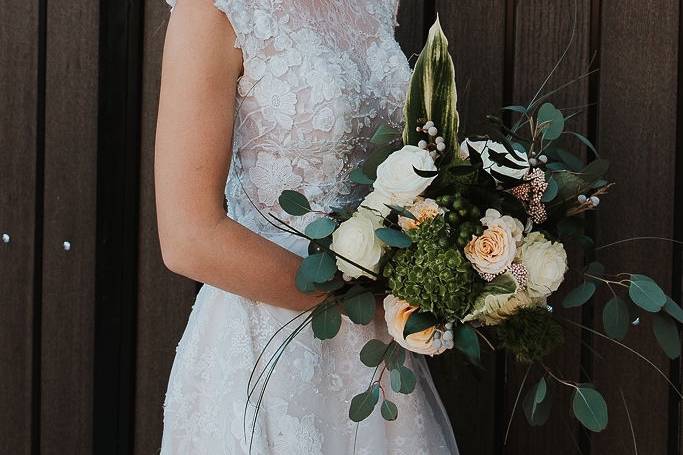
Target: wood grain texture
{"type": "Point", "coordinates": [410, 30]}
{"type": "Point", "coordinates": [18, 104]}
{"type": "Point", "coordinates": [542, 32]}
{"type": "Point", "coordinates": [638, 134]}
{"type": "Point", "coordinates": [164, 299]}
{"type": "Point", "coordinates": [476, 35]}
{"type": "Point", "coordinates": [69, 214]}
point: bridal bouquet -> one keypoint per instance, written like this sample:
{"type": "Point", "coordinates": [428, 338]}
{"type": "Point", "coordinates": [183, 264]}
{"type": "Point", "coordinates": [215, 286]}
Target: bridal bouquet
{"type": "Point", "coordinates": [467, 240]}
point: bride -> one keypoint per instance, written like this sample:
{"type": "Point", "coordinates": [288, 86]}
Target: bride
{"type": "Point", "coordinates": [279, 94]}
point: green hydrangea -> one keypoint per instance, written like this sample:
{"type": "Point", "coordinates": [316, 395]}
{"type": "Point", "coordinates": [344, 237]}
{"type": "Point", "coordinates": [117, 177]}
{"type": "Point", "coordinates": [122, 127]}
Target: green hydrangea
{"type": "Point", "coordinates": [431, 274]}
{"type": "Point", "coordinates": [530, 334]}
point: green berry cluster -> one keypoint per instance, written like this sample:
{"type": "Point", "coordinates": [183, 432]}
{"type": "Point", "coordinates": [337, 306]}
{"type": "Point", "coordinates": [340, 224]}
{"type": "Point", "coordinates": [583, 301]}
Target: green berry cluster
{"type": "Point", "coordinates": [463, 216]}
{"type": "Point", "coordinates": [432, 274]}
{"type": "Point", "coordinates": [530, 334]}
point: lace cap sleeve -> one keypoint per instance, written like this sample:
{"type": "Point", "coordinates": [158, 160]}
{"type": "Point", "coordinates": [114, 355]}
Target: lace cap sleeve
{"type": "Point", "coordinates": [239, 14]}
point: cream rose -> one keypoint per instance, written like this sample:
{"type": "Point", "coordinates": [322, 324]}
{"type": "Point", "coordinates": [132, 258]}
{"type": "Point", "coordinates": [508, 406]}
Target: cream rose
{"type": "Point", "coordinates": [493, 251]}
{"type": "Point", "coordinates": [545, 262]}
{"type": "Point", "coordinates": [494, 218]}
{"type": "Point", "coordinates": [423, 209]}
{"type": "Point", "coordinates": [483, 147]}
{"type": "Point", "coordinates": [355, 239]}
{"type": "Point", "coordinates": [396, 314]}
{"type": "Point", "coordinates": [396, 178]}
{"type": "Point", "coordinates": [377, 203]}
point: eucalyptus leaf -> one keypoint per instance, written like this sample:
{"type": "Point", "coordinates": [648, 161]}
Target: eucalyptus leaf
{"type": "Point", "coordinates": [294, 203]}
{"type": "Point", "coordinates": [537, 404]}
{"type": "Point", "coordinates": [551, 191]}
{"type": "Point", "coordinates": [553, 120]}
{"type": "Point", "coordinates": [417, 322]}
{"type": "Point", "coordinates": [674, 310]}
{"type": "Point", "coordinates": [572, 161]}
{"type": "Point", "coordinates": [395, 356]}
{"type": "Point", "coordinates": [667, 334]}
{"type": "Point", "coordinates": [519, 109]}
{"type": "Point", "coordinates": [467, 341]}
{"type": "Point", "coordinates": [646, 293]}
{"type": "Point", "coordinates": [302, 283]}
{"type": "Point", "coordinates": [408, 380]}
{"type": "Point", "coordinates": [595, 269]}
{"type": "Point", "coordinates": [616, 318]}
{"type": "Point", "coordinates": [389, 410]}
{"type": "Point", "coordinates": [395, 380]}
{"type": "Point", "coordinates": [320, 228]}
{"type": "Point", "coordinates": [358, 176]}
{"type": "Point", "coordinates": [590, 408]}
{"type": "Point", "coordinates": [359, 306]}
{"type": "Point", "coordinates": [326, 322]}
{"type": "Point", "coordinates": [373, 353]}
{"type": "Point", "coordinates": [363, 404]}
{"type": "Point", "coordinates": [393, 237]}
{"type": "Point", "coordinates": [319, 267]}
{"type": "Point", "coordinates": [579, 295]}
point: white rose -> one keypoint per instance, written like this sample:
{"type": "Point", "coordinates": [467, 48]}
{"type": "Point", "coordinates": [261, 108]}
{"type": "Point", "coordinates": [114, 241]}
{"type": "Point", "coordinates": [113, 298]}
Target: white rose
{"type": "Point", "coordinates": [396, 179]}
{"type": "Point", "coordinates": [494, 218]}
{"type": "Point", "coordinates": [396, 314]}
{"type": "Point", "coordinates": [355, 239]}
{"type": "Point", "coordinates": [377, 203]}
{"type": "Point", "coordinates": [482, 147]}
{"type": "Point", "coordinates": [545, 262]}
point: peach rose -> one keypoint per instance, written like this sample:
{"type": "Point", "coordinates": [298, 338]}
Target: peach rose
{"type": "Point", "coordinates": [396, 314]}
{"type": "Point", "coordinates": [493, 251]}
{"type": "Point", "coordinates": [423, 209]}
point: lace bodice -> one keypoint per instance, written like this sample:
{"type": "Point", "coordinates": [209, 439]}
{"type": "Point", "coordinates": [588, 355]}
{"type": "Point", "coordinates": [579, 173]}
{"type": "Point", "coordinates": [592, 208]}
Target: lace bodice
{"type": "Point", "coordinates": [319, 77]}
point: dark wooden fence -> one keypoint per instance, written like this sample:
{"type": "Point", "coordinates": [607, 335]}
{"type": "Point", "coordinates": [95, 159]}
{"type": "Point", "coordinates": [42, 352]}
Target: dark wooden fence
{"type": "Point", "coordinates": [89, 317]}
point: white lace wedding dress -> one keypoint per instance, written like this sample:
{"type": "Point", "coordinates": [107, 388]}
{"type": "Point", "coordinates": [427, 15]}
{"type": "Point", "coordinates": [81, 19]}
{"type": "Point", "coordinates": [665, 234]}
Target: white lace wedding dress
{"type": "Point", "coordinates": [319, 77]}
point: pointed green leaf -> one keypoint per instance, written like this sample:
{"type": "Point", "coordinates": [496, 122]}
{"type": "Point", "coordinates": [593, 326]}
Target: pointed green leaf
{"type": "Point", "coordinates": [358, 176]}
{"type": "Point", "coordinates": [467, 341]}
{"type": "Point", "coordinates": [401, 211]}
{"type": "Point", "coordinates": [389, 410]}
{"type": "Point", "coordinates": [432, 93]}
{"type": "Point", "coordinates": [417, 322]}
{"type": "Point", "coordinates": [667, 334]}
{"type": "Point", "coordinates": [586, 142]}
{"type": "Point", "coordinates": [385, 134]}
{"type": "Point", "coordinates": [616, 318]}
{"type": "Point", "coordinates": [579, 295]}
{"type": "Point", "coordinates": [590, 408]}
{"type": "Point", "coordinates": [646, 293]}
{"type": "Point", "coordinates": [294, 203]}
{"type": "Point", "coordinates": [551, 191]}
{"type": "Point", "coordinates": [393, 237]}
{"type": "Point", "coordinates": [376, 158]}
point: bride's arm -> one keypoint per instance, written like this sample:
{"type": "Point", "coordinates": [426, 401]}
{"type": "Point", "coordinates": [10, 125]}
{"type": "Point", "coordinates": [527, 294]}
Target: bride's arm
{"type": "Point", "coordinates": [193, 148]}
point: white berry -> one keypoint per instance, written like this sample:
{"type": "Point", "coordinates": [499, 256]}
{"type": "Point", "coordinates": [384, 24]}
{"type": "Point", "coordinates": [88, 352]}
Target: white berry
{"type": "Point", "coordinates": [422, 144]}
{"type": "Point", "coordinates": [595, 201]}
{"type": "Point", "coordinates": [449, 344]}
{"type": "Point", "coordinates": [533, 161]}
{"type": "Point", "coordinates": [582, 198]}
{"type": "Point", "coordinates": [439, 140]}
{"type": "Point", "coordinates": [436, 343]}
{"type": "Point", "coordinates": [440, 146]}
{"type": "Point", "coordinates": [447, 335]}
{"type": "Point", "coordinates": [543, 159]}
{"type": "Point", "coordinates": [449, 326]}
{"type": "Point", "coordinates": [5, 238]}
{"type": "Point", "coordinates": [428, 125]}
{"type": "Point", "coordinates": [437, 335]}
{"type": "Point", "coordinates": [432, 131]}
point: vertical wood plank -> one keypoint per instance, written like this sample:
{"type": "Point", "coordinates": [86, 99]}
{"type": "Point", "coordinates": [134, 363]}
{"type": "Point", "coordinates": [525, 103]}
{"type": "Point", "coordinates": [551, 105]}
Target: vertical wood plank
{"type": "Point", "coordinates": [164, 299]}
{"type": "Point", "coordinates": [69, 214]}
{"type": "Point", "coordinates": [476, 33]}
{"type": "Point", "coordinates": [19, 55]}
{"type": "Point", "coordinates": [638, 135]}
{"type": "Point", "coordinates": [542, 32]}
{"type": "Point", "coordinates": [411, 26]}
